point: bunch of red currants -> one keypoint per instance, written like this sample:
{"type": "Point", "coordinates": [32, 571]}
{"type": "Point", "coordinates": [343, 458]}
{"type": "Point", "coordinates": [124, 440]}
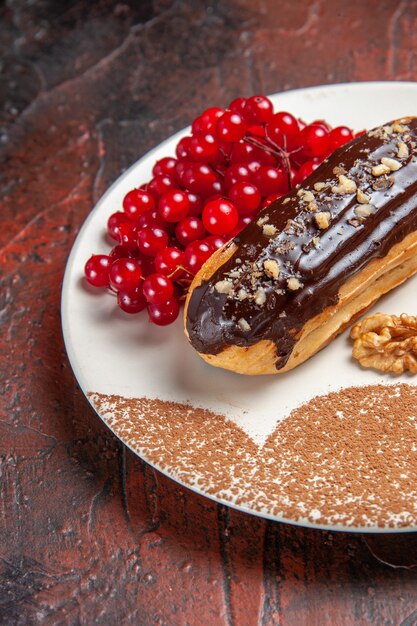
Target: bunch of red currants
{"type": "Point", "coordinates": [235, 162]}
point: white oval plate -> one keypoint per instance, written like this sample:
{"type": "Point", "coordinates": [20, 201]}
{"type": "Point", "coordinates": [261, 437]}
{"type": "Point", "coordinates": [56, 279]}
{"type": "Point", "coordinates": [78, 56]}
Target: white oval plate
{"type": "Point", "coordinates": [142, 380]}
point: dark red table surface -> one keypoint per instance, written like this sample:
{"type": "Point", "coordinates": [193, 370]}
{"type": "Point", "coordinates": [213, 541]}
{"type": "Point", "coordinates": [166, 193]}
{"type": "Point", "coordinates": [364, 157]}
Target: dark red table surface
{"type": "Point", "coordinates": [89, 533]}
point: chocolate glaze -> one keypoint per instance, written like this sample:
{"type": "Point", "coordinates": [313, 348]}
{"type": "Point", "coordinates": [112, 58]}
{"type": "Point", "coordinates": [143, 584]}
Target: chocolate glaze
{"type": "Point", "coordinates": [322, 266]}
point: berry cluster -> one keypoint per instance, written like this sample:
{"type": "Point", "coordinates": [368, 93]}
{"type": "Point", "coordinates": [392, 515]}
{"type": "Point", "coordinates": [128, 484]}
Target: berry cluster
{"type": "Point", "coordinates": [235, 162]}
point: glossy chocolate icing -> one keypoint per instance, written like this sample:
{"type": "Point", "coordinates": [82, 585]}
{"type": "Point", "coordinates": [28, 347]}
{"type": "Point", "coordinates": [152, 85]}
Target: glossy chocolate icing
{"type": "Point", "coordinates": [321, 260]}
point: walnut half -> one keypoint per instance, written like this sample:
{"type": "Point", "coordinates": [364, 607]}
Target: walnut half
{"type": "Point", "coordinates": [386, 342]}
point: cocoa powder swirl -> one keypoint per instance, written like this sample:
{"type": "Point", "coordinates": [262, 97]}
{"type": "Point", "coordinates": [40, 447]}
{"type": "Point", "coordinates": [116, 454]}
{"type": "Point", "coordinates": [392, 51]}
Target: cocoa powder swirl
{"type": "Point", "coordinates": [317, 237]}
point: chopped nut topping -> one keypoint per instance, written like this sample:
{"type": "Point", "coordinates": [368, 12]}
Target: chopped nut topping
{"type": "Point", "coordinates": [305, 195]}
{"type": "Point", "coordinates": [362, 197]}
{"type": "Point", "coordinates": [379, 170]}
{"type": "Point", "coordinates": [391, 163]}
{"type": "Point", "coordinates": [271, 268]}
{"type": "Point", "coordinates": [242, 295]}
{"type": "Point", "coordinates": [262, 220]}
{"type": "Point", "coordinates": [312, 206]}
{"type": "Point", "coordinates": [224, 286]}
{"type": "Point", "coordinates": [364, 210]}
{"type": "Point", "coordinates": [243, 325]}
{"type": "Point", "coordinates": [269, 230]}
{"type": "Point", "coordinates": [402, 152]}
{"type": "Point", "coordinates": [319, 186]}
{"type": "Point", "coordinates": [384, 182]}
{"type": "Point", "coordinates": [386, 342]}
{"type": "Point", "coordinates": [260, 296]}
{"type": "Point", "coordinates": [346, 185]}
{"type": "Point", "coordinates": [339, 170]}
{"type": "Point", "coordinates": [316, 241]}
{"type": "Point", "coordinates": [286, 200]}
{"type": "Point", "coordinates": [294, 284]}
{"type": "Point", "coordinates": [399, 128]}
{"type": "Point", "coordinates": [322, 219]}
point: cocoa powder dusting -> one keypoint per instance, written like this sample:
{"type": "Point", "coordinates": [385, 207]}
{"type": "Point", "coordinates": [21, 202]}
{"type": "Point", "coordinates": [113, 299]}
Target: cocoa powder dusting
{"type": "Point", "coordinates": [348, 458]}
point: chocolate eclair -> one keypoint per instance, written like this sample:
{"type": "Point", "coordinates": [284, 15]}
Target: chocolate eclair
{"type": "Point", "coordinates": [312, 261]}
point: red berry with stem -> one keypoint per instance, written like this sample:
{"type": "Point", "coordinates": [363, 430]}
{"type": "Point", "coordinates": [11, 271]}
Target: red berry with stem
{"type": "Point", "coordinates": [246, 197]}
{"type": "Point", "coordinates": [242, 152]}
{"type": "Point", "coordinates": [283, 130]}
{"type": "Point", "coordinates": [158, 288]}
{"type": "Point", "coordinates": [173, 206]}
{"type": "Point", "coordinates": [258, 110]}
{"type": "Point", "coordinates": [270, 180]}
{"type": "Point", "coordinates": [231, 127]}
{"type": "Point", "coordinates": [151, 240]}
{"type": "Point", "coordinates": [195, 254]}
{"type": "Point", "coordinates": [132, 301]}
{"type": "Point", "coordinates": [137, 202]}
{"type": "Point", "coordinates": [339, 136]}
{"type": "Point", "coordinates": [125, 274]}
{"type": "Point", "coordinates": [165, 313]}
{"type": "Point", "coordinates": [190, 229]}
{"type": "Point", "coordinates": [164, 166]}
{"type": "Point", "coordinates": [168, 261]}
{"type": "Point", "coordinates": [220, 217]}
{"type": "Point", "coordinates": [119, 252]}
{"type": "Point", "coordinates": [96, 270]}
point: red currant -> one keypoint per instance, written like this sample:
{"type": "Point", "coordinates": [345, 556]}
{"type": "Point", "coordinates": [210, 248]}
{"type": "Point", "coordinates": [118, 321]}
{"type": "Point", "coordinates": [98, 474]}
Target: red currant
{"type": "Point", "coordinates": [271, 198]}
{"type": "Point", "coordinates": [215, 242]}
{"type": "Point", "coordinates": [131, 301]}
{"type": "Point", "coordinates": [167, 262]}
{"type": "Point", "coordinates": [245, 197]}
{"type": "Point", "coordinates": [237, 105]}
{"type": "Point", "coordinates": [114, 222]}
{"type": "Point", "coordinates": [151, 240]}
{"type": "Point", "coordinates": [127, 235]}
{"type": "Point", "coordinates": [258, 110]}
{"type": "Point", "coordinates": [152, 218]}
{"type": "Point", "coordinates": [237, 172]}
{"type": "Point", "coordinates": [158, 288]}
{"type": "Point", "coordinates": [308, 168]}
{"type": "Point", "coordinates": [206, 122]}
{"type": "Point", "coordinates": [204, 147]}
{"type": "Point", "coordinates": [231, 127]}
{"type": "Point", "coordinates": [196, 253]}
{"type": "Point", "coordinates": [339, 136]}
{"type": "Point", "coordinates": [220, 217]}
{"type": "Point", "coordinates": [165, 313]}
{"type": "Point", "coordinates": [125, 274]}
{"type": "Point", "coordinates": [190, 229]}
{"type": "Point", "coordinates": [161, 184]}
{"type": "Point", "coordinates": [173, 206]}
{"type": "Point", "coordinates": [183, 147]}
{"type": "Point", "coordinates": [315, 140]}
{"type": "Point", "coordinates": [137, 202]}
{"type": "Point", "coordinates": [196, 205]}
{"type": "Point", "coordinates": [164, 166]}
{"type": "Point", "coordinates": [96, 270]}
{"type": "Point", "coordinates": [283, 129]}
{"type": "Point", "coordinates": [270, 180]}
{"type": "Point", "coordinates": [201, 179]}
